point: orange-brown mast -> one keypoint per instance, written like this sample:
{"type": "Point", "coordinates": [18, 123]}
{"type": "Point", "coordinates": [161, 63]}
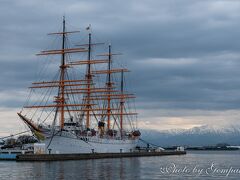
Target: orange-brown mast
{"type": "Point", "coordinates": [89, 79]}
{"type": "Point", "coordinates": [109, 85]}
{"type": "Point", "coordinates": [62, 77]}
{"type": "Point", "coordinates": [121, 105]}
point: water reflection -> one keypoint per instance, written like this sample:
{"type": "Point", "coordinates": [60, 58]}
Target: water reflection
{"type": "Point", "coordinates": [122, 168]}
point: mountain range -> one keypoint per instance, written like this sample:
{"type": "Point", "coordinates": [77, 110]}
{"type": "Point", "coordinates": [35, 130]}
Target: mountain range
{"type": "Point", "coordinates": [197, 136]}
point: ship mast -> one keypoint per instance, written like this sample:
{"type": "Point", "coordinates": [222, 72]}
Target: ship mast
{"type": "Point", "coordinates": [109, 85]}
{"type": "Point", "coordinates": [62, 84]}
{"type": "Point", "coordinates": [89, 78]}
{"type": "Point", "coordinates": [121, 105]}
{"type": "Point", "coordinates": [62, 69]}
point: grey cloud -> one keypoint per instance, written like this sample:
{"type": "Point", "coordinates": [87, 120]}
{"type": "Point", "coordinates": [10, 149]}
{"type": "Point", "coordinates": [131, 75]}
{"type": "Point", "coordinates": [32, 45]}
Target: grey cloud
{"type": "Point", "coordinates": [203, 33]}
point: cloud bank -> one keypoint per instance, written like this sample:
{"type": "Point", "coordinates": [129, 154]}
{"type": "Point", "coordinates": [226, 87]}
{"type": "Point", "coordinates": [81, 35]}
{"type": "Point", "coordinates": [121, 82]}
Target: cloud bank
{"type": "Point", "coordinates": [184, 55]}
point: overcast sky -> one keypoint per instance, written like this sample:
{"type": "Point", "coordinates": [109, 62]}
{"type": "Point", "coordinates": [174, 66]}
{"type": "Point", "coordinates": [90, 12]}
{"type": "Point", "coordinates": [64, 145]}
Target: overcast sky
{"type": "Point", "coordinates": [184, 54]}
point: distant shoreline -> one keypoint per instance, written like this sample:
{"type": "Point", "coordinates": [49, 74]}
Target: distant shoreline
{"type": "Point", "coordinates": [206, 148]}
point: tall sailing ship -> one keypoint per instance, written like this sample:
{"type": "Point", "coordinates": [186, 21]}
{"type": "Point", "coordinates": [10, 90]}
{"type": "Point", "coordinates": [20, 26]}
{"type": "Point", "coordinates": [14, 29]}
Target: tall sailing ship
{"type": "Point", "coordinates": [86, 107]}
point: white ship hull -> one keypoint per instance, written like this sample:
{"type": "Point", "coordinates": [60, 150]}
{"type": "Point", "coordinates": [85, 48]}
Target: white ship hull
{"type": "Point", "coordinates": [67, 142]}
{"type": "Point", "coordinates": [69, 145]}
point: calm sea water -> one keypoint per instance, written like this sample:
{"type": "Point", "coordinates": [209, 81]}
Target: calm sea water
{"type": "Point", "coordinates": [194, 165]}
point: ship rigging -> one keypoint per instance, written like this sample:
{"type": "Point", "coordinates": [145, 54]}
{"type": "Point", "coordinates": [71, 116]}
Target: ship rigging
{"type": "Point", "coordinates": [82, 108]}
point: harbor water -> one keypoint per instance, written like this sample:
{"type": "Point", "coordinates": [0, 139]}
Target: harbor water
{"type": "Point", "coordinates": [194, 165]}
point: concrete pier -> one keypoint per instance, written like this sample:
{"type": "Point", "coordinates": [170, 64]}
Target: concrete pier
{"type": "Point", "coordinates": [63, 157]}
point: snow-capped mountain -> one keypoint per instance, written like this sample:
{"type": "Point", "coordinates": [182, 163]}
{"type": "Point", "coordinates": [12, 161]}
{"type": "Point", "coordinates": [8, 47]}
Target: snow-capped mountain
{"type": "Point", "coordinates": [197, 136]}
